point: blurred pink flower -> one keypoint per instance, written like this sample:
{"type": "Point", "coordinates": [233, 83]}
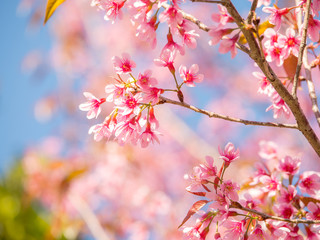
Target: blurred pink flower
{"type": "Point", "coordinates": [92, 105]}
{"type": "Point", "coordinates": [124, 64]}
{"type": "Point", "coordinates": [276, 15]}
{"type": "Point", "coordinates": [310, 182]}
{"type": "Point", "coordinates": [289, 165]}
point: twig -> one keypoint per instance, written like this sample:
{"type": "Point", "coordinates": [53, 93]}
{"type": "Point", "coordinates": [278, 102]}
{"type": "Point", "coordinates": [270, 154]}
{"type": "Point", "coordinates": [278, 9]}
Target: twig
{"type": "Point", "coordinates": [252, 11]}
{"type": "Point", "coordinates": [301, 49]}
{"type": "Point", "coordinates": [266, 216]}
{"type": "Point", "coordinates": [232, 119]}
{"type": "Point", "coordinates": [207, 1]}
{"type": "Point", "coordinates": [311, 88]}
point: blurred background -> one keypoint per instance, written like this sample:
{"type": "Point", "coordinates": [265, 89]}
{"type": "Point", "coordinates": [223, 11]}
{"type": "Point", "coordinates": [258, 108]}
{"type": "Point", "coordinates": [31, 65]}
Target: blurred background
{"type": "Point", "coordinates": [57, 183]}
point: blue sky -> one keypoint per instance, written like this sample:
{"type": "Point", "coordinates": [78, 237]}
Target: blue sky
{"type": "Point", "coordinates": [18, 92]}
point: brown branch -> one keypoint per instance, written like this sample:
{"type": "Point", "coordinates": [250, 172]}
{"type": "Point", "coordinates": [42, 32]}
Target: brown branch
{"type": "Point", "coordinates": [252, 11]}
{"type": "Point", "coordinates": [301, 49]}
{"type": "Point", "coordinates": [266, 216]}
{"type": "Point", "coordinates": [207, 1]}
{"type": "Point", "coordinates": [231, 119]}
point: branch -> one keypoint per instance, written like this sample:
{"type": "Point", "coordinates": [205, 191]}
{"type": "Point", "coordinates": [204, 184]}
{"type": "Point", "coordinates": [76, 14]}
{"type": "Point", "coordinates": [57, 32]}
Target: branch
{"type": "Point", "coordinates": [252, 11]}
{"type": "Point", "coordinates": [266, 216]}
{"type": "Point", "coordinates": [301, 49]}
{"type": "Point", "coordinates": [207, 1]}
{"type": "Point", "coordinates": [231, 119]}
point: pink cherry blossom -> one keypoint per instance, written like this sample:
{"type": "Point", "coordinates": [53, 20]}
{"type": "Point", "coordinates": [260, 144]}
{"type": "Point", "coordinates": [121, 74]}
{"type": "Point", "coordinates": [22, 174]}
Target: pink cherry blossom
{"type": "Point", "coordinates": [268, 150]}
{"type": "Point", "coordinates": [217, 34]}
{"type": "Point", "coordinates": [124, 64]}
{"type": "Point", "coordinates": [116, 92]}
{"type": "Point", "coordinates": [289, 165]}
{"type": "Point", "coordinates": [314, 211]}
{"type": "Point", "coordinates": [104, 129]}
{"type": "Point", "coordinates": [230, 189]}
{"type": "Point", "coordinates": [190, 75]}
{"type": "Point", "coordinates": [276, 15]}
{"type": "Point", "coordinates": [112, 8]}
{"type": "Point", "coordinates": [152, 95]}
{"type": "Point", "coordinates": [92, 105]}
{"type": "Point", "coordinates": [275, 53]}
{"type": "Point", "coordinates": [272, 37]}
{"type": "Point", "coordinates": [284, 210]}
{"type": "Point", "coordinates": [287, 195]}
{"type": "Point", "coordinates": [279, 106]}
{"type": "Point", "coordinates": [148, 136]}
{"type": "Point", "coordinates": [259, 234]}
{"type": "Point", "coordinates": [290, 42]}
{"type": "Point", "coordinates": [222, 17]}
{"type": "Point", "coordinates": [172, 45]}
{"type": "Point", "coordinates": [265, 86]}
{"type": "Point", "coordinates": [234, 229]}
{"type": "Point", "coordinates": [130, 104]}
{"type": "Point", "coordinates": [152, 119]}
{"type": "Point", "coordinates": [127, 130]}
{"type": "Point", "coordinates": [145, 80]}
{"type": "Point", "coordinates": [166, 59]}
{"type": "Point", "coordinates": [208, 170]}
{"type": "Point", "coordinates": [229, 154]}
{"type": "Point", "coordinates": [146, 31]}
{"type": "Point", "coordinates": [313, 29]}
{"type": "Point", "coordinates": [172, 16]}
{"type": "Point", "coordinates": [270, 185]}
{"type": "Point", "coordinates": [229, 44]}
{"type": "Point", "coordinates": [310, 182]}
{"type": "Point", "coordinates": [189, 38]}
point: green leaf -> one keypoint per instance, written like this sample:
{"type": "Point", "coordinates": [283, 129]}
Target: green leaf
{"type": "Point", "coordinates": [52, 5]}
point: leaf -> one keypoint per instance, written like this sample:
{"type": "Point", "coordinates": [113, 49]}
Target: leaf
{"type": "Point", "coordinates": [202, 194]}
{"type": "Point", "coordinates": [195, 208]}
{"type": "Point", "coordinates": [52, 5]}
{"type": "Point", "coordinates": [262, 28]}
{"type": "Point", "coordinates": [306, 200]}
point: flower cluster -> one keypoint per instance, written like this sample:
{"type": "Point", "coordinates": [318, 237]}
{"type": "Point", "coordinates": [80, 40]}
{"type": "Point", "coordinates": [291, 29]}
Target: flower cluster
{"type": "Point", "coordinates": [276, 188]}
{"type": "Point", "coordinates": [133, 118]}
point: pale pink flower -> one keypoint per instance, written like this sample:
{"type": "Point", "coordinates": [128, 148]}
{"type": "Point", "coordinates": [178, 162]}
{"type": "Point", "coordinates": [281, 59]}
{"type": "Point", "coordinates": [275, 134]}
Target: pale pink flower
{"type": "Point", "coordinates": [145, 80]}
{"type": "Point", "coordinates": [172, 16]}
{"type": "Point", "coordinates": [276, 15]}
{"type": "Point", "coordinates": [310, 182]}
{"type": "Point", "coordinates": [279, 106]}
{"type": "Point", "coordinates": [220, 201]}
{"type": "Point", "coordinates": [152, 95]}
{"type": "Point", "coordinates": [278, 229]}
{"type": "Point", "coordinates": [249, 202]}
{"type": "Point", "coordinates": [284, 210]}
{"type": "Point", "coordinates": [172, 45]}
{"type": "Point", "coordinates": [222, 17]}
{"type": "Point", "coordinates": [230, 189]}
{"type": "Point", "coordinates": [104, 129]}
{"type": "Point", "coordinates": [265, 86]}
{"type": "Point", "coordinates": [289, 165]}
{"type": "Point", "coordinates": [127, 130]}
{"type": "Point", "coordinates": [154, 123]}
{"type": "Point", "coordinates": [314, 211]}
{"type": "Point", "coordinates": [92, 105]}
{"type": "Point", "coordinates": [313, 29]}
{"type": "Point", "coordinates": [312, 235]}
{"type": "Point", "coordinates": [291, 43]}
{"type": "Point", "coordinates": [229, 154]}
{"type": "Point", "coordinates": [124, 64]}
{"type": "Point", "coordinates": [146, 31]}
{"type": "Point", "coordinates": [268, 150]}
{"type": "Point", "coordinates": [229, 44]}
{"type": "Point", "coordinates": [116, 92]}
{"type": "Point", "coordinates": [130, 104]}
{"type": "Point", "coordinates": [189, 39]}
{"type": "Point", "coordinates": [112, 8]}
{"type": "Point", "coordinates": [234, 229]}
{"type": "Point", "coordinates": [258, 234]}
{"type": "Point", "coordinates": [272, 37]}
{"type": "Point", "coordinates": [148, 136]}
{"type": "Point", "coordinates": [275, 53]}
{"type": "Point", "coordinates": [208, 169]}
{"type": "Point", "coordinates": [190, 75]}
{"type": "Point", "coordinates": [287, 195]}
{"type": "Point", "coordinates": [166, 59]}
{"type": "Point", "coordinates": [217, 34]}
{"type": "Point", "coordinates": [270, 185]}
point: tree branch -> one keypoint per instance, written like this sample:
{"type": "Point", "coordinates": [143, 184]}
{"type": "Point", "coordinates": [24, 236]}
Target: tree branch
{"type": "Point", "coordinates": [266, 216]}
{"type": "Point", "coordinates": [231, 119]}
{"type": "Point", "coordinates": [301, 49]}
{"type": "Point", "coordinates": [252, 11]}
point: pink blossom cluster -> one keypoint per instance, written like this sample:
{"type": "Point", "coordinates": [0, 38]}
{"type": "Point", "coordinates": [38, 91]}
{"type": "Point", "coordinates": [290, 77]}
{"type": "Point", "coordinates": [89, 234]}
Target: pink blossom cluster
{"type": "Point", "coordinates": [276, 189]}
{"type": "Point", "coordinates": [133, 119]}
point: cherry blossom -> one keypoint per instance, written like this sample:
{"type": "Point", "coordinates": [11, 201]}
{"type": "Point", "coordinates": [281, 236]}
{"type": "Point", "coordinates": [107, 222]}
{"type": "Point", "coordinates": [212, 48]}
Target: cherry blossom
{"type": "Point", "coordinates": [92, 105]}
{"type": "Point", "coordinates": [310, 182]}
{"type": "Point", "coordinates": [229, 154]}
{"type": "Point", "coordinates": [124, 64]}
{"type": "Point", "coordinates": [190, 75]}
{"type": "Point", "coordinates": [276, 15]}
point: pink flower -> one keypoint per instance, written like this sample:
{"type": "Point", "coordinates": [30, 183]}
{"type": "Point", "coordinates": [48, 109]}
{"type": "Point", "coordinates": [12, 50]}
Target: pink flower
{"type": "Point", "coordinates": [284, 210]}
{"type": "Point", "coordinates": [268, 150]}
{"type": "Point", "coordinates": [146, 31]}
{"type": "Point", "coordinates": [151, 95]}
{"type": "Point", "coordinates": [310, 182]}
{"type": "Point", "coordinates": [124, 64]}
{"type": "Point", "coordinates": [166, 59]}
{"type": "Point", "coordinates": [229, 44]}
{"type": "Point", "coordinates": [230, 190]}
{"type": "Point", "coordinates": [217, 34]}
{"type": "Point", "coordinates": [234, 229]}
{"type": "Point", "coordinates": [116, 92]}
{"type": "Point", "coordinates": [290, 42]}
{"type": "Point", "coordinates": [289, 165]}
{"type": "Point", "coordinates": [127, 130]}
{"type": "Point", "coordinates": [314, 211]}
{"type": "Point", "coordinates": [275, 53]}
{"type": "Point", "coordinates": [265, 86]}
{"type": "Point", "coordinates": [130, 104]}
{"type": "Point", "coordinates": [276, 15]}
{"type": "Point", "coordinates": [287, 195]}
{"type": "Point", "coordinates": [92, 105]}
{"type": "Point", "coordinates": [222, 17]}
{"type": "Point", "coordinates": [104, 129]}
{"type": "Point", "coordinates": [172, 16]}
{"type": "Point", "coordinates": [154, 123]}
{"type": "Point", "coordinates": [220, 201]}
{"type": "Point", "coordinates": [208, 169]}
{"type": "Point", "coordinates": [258, 234]}
{"type": "Point", "coordinates": [279, 106]}
{"type": "Point", "coordinates": [229, 154]}
{"type": "Point", "coordinates": [272, 37]}
{"type": "Point", "coordinates": [249, 202]}
{"type": "Point", "coordinates": [270, 185]}
{"type": "Point", "coordinates": [189, 39]}
{"type": "Point", "coordinates": [112, 8]}
{"type": "Point", "coordinates": [190, 75]}
{"type": "Point", "coordinates": [313, 29]}
{"type": "Point", "coordinates": [148, 136]}
{"type": "Point", "coordinates": [145, 80]}
{"type": "Point", "coordinates": [172, 45]}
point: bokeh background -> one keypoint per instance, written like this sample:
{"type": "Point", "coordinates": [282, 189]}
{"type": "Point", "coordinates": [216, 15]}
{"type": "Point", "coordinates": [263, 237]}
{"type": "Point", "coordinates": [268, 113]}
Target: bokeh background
{"type": "Point", "coordinates": [57, 183]}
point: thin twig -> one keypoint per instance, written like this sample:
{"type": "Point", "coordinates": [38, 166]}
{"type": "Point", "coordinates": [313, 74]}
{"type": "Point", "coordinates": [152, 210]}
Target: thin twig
{"type": "Point", "coordinates": [301, 49]}
{"type": "Point", "coordinates": [207, 1]}
{"type": "Point", "coordinates": [266, 216]}
{"type": "Point", "coordinates": [311, 88]}
{"type": "Point", "coordinates": [232, 119]}
{"type": "Point", "coordinates": [252, 11]}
